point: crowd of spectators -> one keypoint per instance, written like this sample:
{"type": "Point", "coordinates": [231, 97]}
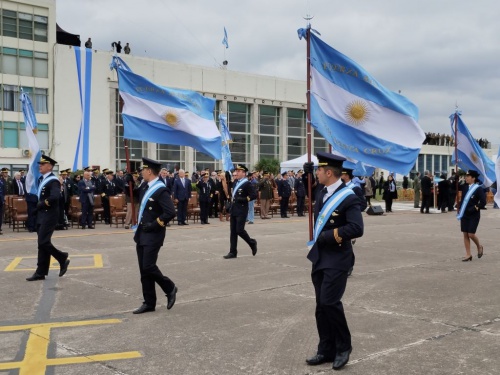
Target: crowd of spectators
{"type": "Point", "coordinates": [437, 139]}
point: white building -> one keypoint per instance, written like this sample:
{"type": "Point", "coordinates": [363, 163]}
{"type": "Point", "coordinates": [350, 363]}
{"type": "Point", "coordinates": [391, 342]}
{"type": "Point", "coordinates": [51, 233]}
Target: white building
{"type": "Point", "coordinates": [266, 115]}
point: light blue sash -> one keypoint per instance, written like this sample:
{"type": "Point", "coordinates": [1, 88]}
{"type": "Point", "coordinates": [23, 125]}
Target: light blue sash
{"type": "Point", "coordinates": [327, 210]}
{"type": "Point", "coordinates": [469, 194]}
{"type": "Point", "coordinates": [241, 182]}
{"type": "Point", "coordinates": [350, 185]}
{"type": "Point", "coordinates": [44, 182]}
{"type": "Point", "coordinates": [158, 184]}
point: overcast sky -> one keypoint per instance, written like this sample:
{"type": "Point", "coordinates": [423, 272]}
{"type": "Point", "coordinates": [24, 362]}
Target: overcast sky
{"type": "Point", "coordinates": [438, 53]}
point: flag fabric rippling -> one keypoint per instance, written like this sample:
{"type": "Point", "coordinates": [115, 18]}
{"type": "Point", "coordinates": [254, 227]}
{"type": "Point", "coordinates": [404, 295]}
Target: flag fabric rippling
{"type": "Point", "coordinates": [358, 116]}
{"type": "Point", "coordinates": [470, 154]}
{"type": "Point", "coordinates": [497, 172]}
{"type": "Point", "coordinates": [226, 139]}
{"type": "Point", "coordinates": [224, 40]}
{"type": "Point", "coordinates": [31, 126]}
{"type": "Point", "coordinates": [158, 114]}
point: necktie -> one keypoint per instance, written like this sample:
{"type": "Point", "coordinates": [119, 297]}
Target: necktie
{"type": "Point", "coordinates": [20, 185]}
{"type": "Point", "coordinates": [324, 191]}
{"type": "Point", "coordinates": [183, 183]}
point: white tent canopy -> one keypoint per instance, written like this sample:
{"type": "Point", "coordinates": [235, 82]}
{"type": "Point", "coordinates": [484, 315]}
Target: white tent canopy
{"type": "Point", "coordinates": [297, 164]}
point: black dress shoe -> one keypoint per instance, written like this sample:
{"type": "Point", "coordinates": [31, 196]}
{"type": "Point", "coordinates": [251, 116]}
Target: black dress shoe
{"type": "Point", "coordinates": [171, 298]}
{"type": "Point", "coordinates": [143, 309]}
{"type": "Point", "coordinates": [341, 359]}
{"type": "Point", "coordinates": [229, 256]}
{"type": "Point", "coordinates": [64, 267]}
{"type": "Point", "coordinates": [92, 227]}
{"type": "Point", "coordinates": [184, 223]}
{"type": "Point", "coordinates": [318, 359]}
{"type": "Point", "coordinates": [253, 246]}
{"type": "Point", "coordinates": [35, 277]}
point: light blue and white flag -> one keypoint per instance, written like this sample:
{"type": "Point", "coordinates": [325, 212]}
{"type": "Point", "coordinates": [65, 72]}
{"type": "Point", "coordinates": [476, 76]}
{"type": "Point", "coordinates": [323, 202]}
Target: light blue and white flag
{"type": "Point", "coordinates": [470, 154]}
{"type": "Point", "coordinates": [226, 140]}
{"type": "Point", "coordinates": [224, 40]}
{"type": "Point", "coordinates": [358, 116]}
{"type": "Point", "coordinates": [158, 114]}
{"type": "Point", "coordinates": [497, 172]}
{"type": "Point", "coordinates": [31, 126]}
{"type": "Point", "coordinates": [83, 57]}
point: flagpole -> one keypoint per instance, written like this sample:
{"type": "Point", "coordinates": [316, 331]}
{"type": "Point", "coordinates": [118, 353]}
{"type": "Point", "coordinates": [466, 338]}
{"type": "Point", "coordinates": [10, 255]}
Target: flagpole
{"type": "Point", "coordinates": [456, 156]}
{"type": "Point", "coordinates": [131, 183]}
{"type": "Point", "coordinates": [308, 128]}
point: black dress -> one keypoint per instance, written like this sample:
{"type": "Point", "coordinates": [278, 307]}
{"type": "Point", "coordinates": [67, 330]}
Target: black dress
{"type": "Point", "coordinates": [472, 214]}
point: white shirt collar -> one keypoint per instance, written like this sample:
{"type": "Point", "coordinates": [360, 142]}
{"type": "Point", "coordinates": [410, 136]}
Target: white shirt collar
{"type": "Point", "coordinates": [46, 175]}
{"type": "Point", "coordinates": [331, 188]}
{"type": "Point", "coordinates": [150, 183]}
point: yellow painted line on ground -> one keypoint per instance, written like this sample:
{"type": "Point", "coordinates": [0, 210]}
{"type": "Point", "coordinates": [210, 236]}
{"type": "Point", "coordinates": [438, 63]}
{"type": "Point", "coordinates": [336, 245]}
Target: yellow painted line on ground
{"type": "Point", "coordinates": [35, 359]}
{"type": "Point", "coordinates": [98, 263]}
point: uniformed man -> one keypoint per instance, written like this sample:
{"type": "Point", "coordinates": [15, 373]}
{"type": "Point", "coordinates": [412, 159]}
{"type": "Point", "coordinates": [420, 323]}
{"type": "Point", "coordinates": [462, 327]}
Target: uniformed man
{"type": "Point", "coordinates": [7, 181]}
{"type": "Point", "coordinates": [109, 190]}
{"type": "Point", "coordinates": [338, 220]}
{"type": "Point", "coordinates": [49, 192]}
{"type": "Point", "coordinates": [156, 210]}
{"type": "Point", "coordinates": [347, 179]}
{"type": "Point", "coordinates": [265, 187]}
{"type": "Point", "coordinates": [243, 192]}
{"type": "Point", "coordinates": [205, 195]}
{"type": "Point", "coordinates": [284, 192]}
{"type": "Point", "coordinates": [300, 193]}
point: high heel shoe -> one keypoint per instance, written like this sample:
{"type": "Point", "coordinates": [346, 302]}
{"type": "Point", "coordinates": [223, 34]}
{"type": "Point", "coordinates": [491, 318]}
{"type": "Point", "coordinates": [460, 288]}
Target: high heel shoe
{"type": "Point", "coordinates": [480, 254]}
{"type": "Point", "coordinates": [467, 259]}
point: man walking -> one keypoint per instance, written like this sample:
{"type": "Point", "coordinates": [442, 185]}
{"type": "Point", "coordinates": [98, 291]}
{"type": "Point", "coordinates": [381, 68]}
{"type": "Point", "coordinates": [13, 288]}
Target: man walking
{"type": "Point", "coordinates": [155, 212]}
{"type": "Point", "coordinates": [49, 193]}
{"type": "Point", "coordinates": [338, 221]}
{"type": "Point", "coordinates": [243, 192]}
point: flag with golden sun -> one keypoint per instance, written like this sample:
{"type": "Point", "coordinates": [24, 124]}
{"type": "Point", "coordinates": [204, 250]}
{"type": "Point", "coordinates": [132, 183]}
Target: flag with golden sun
{"type": "Point", "coordinates": [358, 116]}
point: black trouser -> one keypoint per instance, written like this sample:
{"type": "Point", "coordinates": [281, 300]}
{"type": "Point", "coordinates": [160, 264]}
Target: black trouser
{"type": "Point", "coordinates": [46, 249]}
{"type": "Point", "coordinates": [106, 209]}
{"type": "Point", "coordinates": [31, 222]}
{"type": "Point", "coordinates": [284, 206]}
{"type": "Point", "coordinates": [334, 335]}
{"type": "Point", "coordinates": [1, 214]}
{"type": "Point", "coordinates": [237, 225]}
{"type": "Point", "coordinates": [204, 208]}
{"type": "Point", "coordinates": [214, 205]}
{"type": "Point", "coordinates": [426, 202]}
{"type": "Point", "coordinates": [151, 274]}
{"type": "Point", "coordinates": [182, 210]}
{"type": "Point", "coordinates": [87, 214]}
{"type": "Point", "coordinates": [388, 204]}
{"type": "Point", "coordinates": [300, 205]}
{"type": "Point", "coordinates": [451, 200]}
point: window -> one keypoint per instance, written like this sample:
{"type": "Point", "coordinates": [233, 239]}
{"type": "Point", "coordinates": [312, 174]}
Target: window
{"type": "Point", "coordinates": [9, 23]}
{"type": "Point", "coordinates": [13, 135]}
{"type": "Point", "coordinates": [25, 63]}
{"type": "Point", "coordinates": [10, 98]}
{"type": "Point", "coordinates": [296, 119]}
{"type": "Point", "coordinates": [137, 149]}
{"type": "Point", "coordinates": [238, 122]}
{"type": "Point", "coordinates": [420, 163]}
{"type": "Point", "coordinates": [320, 143]}
{"type": "Point", "coordinates": [269, 132]}
{"type": "Point", "coordinates": [40, 26]}
{"type": "Point", "coordinates": [25, 26]}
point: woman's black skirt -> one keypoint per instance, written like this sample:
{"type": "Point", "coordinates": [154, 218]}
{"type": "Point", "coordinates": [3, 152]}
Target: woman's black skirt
{"type": "Point", "coordinates": [469, 224]}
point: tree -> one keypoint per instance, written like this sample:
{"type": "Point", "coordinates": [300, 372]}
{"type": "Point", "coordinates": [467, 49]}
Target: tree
{"type": "Point", "coordinates": [270, 165]}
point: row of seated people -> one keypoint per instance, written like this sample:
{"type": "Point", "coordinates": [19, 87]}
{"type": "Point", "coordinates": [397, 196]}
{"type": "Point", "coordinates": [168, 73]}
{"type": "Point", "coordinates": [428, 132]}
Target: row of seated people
{"type": "Point", "coordinates": [17, 211]}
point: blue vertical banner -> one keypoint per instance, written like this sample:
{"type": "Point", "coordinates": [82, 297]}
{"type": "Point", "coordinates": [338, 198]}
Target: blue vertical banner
{"type": "Point", "coordinates": [226, 139]}
{"type": "Point", "coordinates": [84, 73]}
{"type": "Point", "coordinates": [31, 126]}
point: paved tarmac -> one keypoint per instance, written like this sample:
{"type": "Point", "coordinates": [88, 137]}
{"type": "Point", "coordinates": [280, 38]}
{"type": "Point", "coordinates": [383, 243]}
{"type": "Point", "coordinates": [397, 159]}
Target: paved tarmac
{"type": "Point", "coordinates": [412, 306]}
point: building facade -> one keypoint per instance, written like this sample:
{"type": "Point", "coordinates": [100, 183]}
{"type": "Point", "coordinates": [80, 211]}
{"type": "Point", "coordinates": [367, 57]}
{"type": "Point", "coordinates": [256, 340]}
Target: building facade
{"type": "Point", "coordinates": [266, 115]}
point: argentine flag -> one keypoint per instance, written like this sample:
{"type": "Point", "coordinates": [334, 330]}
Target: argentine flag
{"type": "Point", "coordinates": [359, 117]}
{"type": "Point", "coordinates": [158, 114]}
{"type": "Point", "coordinates": [470, 154]}
{"type": "Point", "coordinates": [497, 172]}
{"type": "Point", "coordinates": [31, 126]}
{"type": "Point", "coordinates": [226, 139]}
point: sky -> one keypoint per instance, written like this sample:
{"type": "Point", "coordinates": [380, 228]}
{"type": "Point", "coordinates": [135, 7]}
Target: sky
{"type": "Point", "coordinates": [439, 54]}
